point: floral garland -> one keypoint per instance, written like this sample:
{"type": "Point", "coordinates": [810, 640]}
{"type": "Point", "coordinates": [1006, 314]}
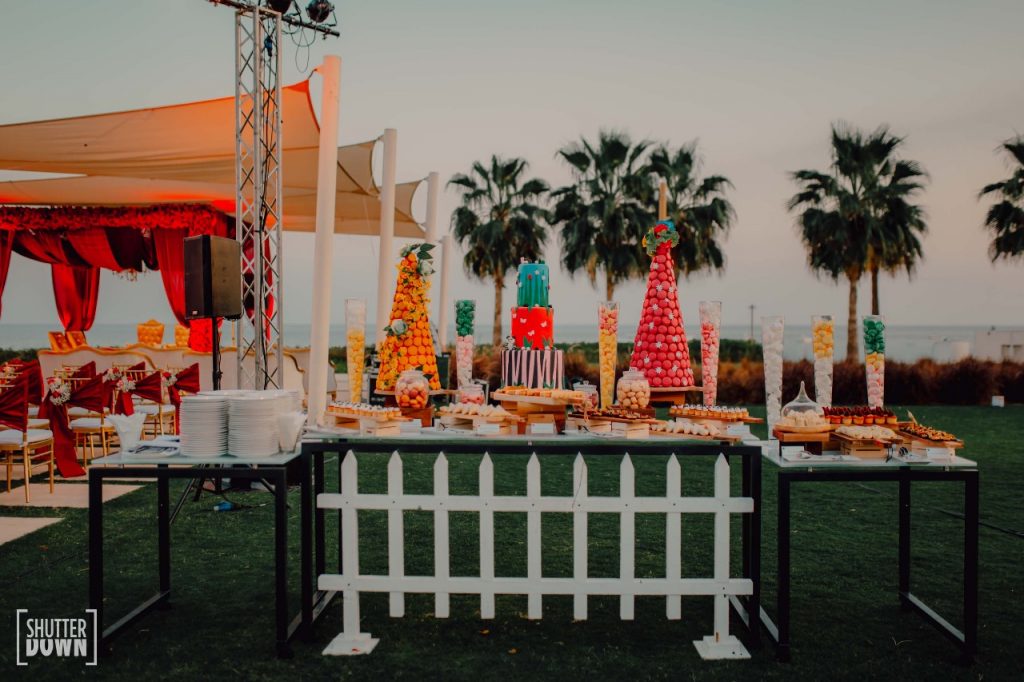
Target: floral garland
{"type": "Point", "coordinates": [169, 379]}
{"type": "Point", "coordinates": [198, 218]}
{"type": "Point", "coordinates": [125, 385]}
{"type": "Point", "coordinates": [663, 232]}
{"type": "Point", "coordinates": [58, 390]}
{"type": "Point", "coordinates": [112, 375]}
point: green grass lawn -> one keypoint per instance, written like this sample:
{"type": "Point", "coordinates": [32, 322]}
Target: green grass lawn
{"type": "Point", "coordinates": [846, 619]}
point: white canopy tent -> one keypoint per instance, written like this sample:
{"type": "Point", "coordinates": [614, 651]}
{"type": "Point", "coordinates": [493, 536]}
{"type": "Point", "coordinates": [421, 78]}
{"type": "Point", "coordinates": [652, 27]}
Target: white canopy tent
{"type": "Point", "coordinates": [185, 153]}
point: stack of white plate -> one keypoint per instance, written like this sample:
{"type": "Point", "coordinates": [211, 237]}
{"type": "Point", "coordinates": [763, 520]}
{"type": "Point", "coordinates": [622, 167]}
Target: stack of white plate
{"type": "Point", "coordinates": [252, 417]}
{"type": "Point", "coordinates": [204, 425]}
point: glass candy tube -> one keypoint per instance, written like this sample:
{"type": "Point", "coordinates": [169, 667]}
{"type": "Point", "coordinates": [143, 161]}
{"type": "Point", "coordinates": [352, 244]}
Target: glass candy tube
{"type": "Point", "coordinates": [874, 359]}
{"type": "Point", "coordinates": [822, 342]}
{"type": "Point", "coordinates": [710, 324]}
{"type": "Point", "coordinates": [608, 348]}
{"type": "Point", "coordinates": [355, 345]}
{"type": "Point", "coordinates": [465, 311]}
{"type": "Point", "coordinates": [772, 330]}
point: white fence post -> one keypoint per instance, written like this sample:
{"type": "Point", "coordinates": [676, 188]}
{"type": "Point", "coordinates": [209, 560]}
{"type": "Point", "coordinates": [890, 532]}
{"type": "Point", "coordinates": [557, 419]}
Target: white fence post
{"type": "Point", "coordinates": [673, 537]}
{"type": "Point", "coordinates": [579, 537]}
{"type": "Point", "coordinates": [627, 537]}
{"type": "Point", "coordinates": [396, 534]}
{"type": "Point", "coordinates": [486, 478]}
{"type": "Point", "coordinates": [721, 644]}
{"type": "Point", "coordinates": [534, 606]}
{"type": "Point", "coordinates": [441, 547]}
{"type": "Point", "coordinates": [351, 640]}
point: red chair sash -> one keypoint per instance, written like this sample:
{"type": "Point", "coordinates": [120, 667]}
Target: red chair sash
{"type": "Point", "coordinates": [90, 396]}
{"type": "Point", "coordinates": [186, 380]}
{"type": "Point", "coordinates": [14, 405]}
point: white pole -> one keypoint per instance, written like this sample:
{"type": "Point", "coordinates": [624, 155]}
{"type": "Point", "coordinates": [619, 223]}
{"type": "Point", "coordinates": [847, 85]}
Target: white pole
{"type": "Point", "coordinates": [434, 237]}
{"type": "Point", "coordinates": [386, 265]}
{"type": "Point", "coordinates": [326, 178]}
{"type": "Point", "coordinates": [446, 304]}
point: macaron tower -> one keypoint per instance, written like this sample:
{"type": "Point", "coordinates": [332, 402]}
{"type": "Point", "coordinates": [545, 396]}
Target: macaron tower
{"type": "Point", "coordinates": [659, 349]}
{"type": "Point", "coordinates": [409, 343]}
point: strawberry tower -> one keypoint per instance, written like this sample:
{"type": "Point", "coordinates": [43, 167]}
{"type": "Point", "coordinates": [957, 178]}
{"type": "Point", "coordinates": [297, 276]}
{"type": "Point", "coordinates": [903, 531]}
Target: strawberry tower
{"type": "Point", "coordinates": [409, 343]}
{"type": "Point", "coordinates": [659, 350]}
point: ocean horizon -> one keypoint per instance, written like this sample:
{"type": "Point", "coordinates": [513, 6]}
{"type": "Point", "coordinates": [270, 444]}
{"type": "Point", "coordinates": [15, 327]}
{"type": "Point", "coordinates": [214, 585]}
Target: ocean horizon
{"type": "Point", "coordinates": [905, 343]}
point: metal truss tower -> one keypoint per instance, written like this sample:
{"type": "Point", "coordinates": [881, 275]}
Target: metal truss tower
{"type": "Point", "coordinates": [258, 195]}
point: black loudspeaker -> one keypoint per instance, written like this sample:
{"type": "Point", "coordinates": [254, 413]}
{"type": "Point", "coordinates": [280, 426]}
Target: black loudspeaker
{"type": "Point", "coordinates": [213, 277]}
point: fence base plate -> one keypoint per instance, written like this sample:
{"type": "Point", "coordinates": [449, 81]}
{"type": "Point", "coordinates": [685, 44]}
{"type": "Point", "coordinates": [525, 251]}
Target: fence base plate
{"type": "Point", "coordinates": [724, 648]}
{"type": "Point", "coordinates": [341, 645]}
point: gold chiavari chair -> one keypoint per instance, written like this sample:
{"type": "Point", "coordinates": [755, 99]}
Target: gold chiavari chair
{"type": "Point", "coordinates": [28, 445]}
{"type": "Point", "coordinates": [90, 429]}
{"type": "Point", "coordinates": [159, 415]}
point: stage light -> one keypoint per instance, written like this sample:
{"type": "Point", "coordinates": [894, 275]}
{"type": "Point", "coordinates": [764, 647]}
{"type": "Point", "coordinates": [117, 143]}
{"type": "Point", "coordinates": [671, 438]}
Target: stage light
{"type": "Point", "coordinates": [319, 10]}
{"type": "Point", "coordinates": [281, 6]}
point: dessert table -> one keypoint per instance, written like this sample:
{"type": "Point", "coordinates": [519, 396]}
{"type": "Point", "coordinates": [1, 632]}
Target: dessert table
{"type": "Point", "coordinates": [830, 467]}
{"type": "Point", "coordinates": [163, 468]}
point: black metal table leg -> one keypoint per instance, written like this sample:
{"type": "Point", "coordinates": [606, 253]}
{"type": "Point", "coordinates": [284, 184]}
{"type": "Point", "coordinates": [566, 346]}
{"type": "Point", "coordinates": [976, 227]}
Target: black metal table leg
{"type": "Point", "coordinates": [904, 543]}
{"type": "Point", "coordinates": [306, 539]}
{"type": "Point", "coordinates": [971, 519]}
{"type": "Point", "coordinates": [318, 488]}
{"type": "Point", "coordinates": [784, 566]}
{"type": "Point", "coordinates": [96, 546]}
{"type": "Point", "coordinates": [164, 531]}
{"type": "Point", "coordinates": [281, 561]}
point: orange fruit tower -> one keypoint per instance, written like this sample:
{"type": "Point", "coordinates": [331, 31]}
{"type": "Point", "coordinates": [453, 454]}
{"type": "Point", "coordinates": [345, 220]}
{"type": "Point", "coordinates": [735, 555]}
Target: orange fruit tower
{"type": "Point", "coordinates": [409, 343]}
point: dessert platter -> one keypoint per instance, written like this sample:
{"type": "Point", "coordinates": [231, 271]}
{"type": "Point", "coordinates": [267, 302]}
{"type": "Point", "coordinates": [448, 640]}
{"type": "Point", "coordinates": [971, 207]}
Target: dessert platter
{"type": "Point", "coordinates": [926, 436]}
{"type": "Point", "coordinates": [703, 414]}
{"type": "Point", "coordinates": [484, 419]}
{"type": "Point", "coordinates": [370, 420]}
{"type": "Point", "coordinates": [692, 430]}
{"type": "Point", "coordinates": [861, 415]}
{"type": "Point", "coordinates": [617, 419]}
{"type": "Point", "coordinates": [866, 442]}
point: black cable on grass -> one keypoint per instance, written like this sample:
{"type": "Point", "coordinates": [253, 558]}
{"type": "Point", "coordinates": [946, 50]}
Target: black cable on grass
{"type": "Point", "coordinates": [956, 515]}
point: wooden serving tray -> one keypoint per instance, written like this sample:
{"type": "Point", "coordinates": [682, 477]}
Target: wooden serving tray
{"type": "Point", "coordinates": [805, 429]}
{"type": "Point", "coordinates": [931, 443]}
{"type": "Point", "coordinates": [687, 436]}
{"type": "Point", "coordinates": [533, 399]}
{"type": "Point", "coordinates": [718, 420]}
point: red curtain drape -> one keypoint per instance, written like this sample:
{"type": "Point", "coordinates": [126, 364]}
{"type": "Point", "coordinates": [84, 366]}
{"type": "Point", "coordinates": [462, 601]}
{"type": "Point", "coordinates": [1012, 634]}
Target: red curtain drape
{"type": "Point", "coordinates": [169, 246]}
{"type": "Point", "coordinates": [92, 245]}
{"type": "Point", "coordinates": [76, 290]}
{"type": "Point", "coordinates": [6, 246]}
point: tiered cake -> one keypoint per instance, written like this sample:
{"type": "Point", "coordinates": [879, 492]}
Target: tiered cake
{"type": "Point", "coordinates": [530, 358]}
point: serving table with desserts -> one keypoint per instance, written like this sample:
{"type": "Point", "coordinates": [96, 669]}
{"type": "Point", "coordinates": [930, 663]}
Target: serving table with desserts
{"type": "Point", "coordinates": [795, 465]}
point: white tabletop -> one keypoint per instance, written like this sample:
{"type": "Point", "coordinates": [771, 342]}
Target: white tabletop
{"type": "Point", "coordinates": [836, 460]}
{"type": "Point", "coordinates": [129, 459]}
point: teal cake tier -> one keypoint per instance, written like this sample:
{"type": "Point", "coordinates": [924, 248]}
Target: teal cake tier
{"type": "Point", "coordinates": [533, 282]}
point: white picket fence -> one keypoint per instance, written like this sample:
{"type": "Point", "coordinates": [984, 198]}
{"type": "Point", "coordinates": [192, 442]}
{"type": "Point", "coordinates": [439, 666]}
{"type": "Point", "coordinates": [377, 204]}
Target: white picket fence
{"type": "Point", "coordinates": [673, 586]}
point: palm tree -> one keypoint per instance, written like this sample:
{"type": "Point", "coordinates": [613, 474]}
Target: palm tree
{"type": "Point", "coordinates": [605, 212]}
{"type": "Point", "coordinates": [858, 217]}
{"type": "Point", "coordinates": [1005, 218]}
{"type": "Point", "coordinates": [697, 206]}
{"type": "Point", "coordinates": [501, 220]}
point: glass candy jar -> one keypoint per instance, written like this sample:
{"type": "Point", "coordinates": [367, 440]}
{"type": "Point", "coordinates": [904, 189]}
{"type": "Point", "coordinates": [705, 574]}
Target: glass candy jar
{"type": "Point", "coordinates": [412, 390]}
{"type": "Point", "coordinates": [589, 391]}
{"type": "Point", "coordinates": [633, 391]}
{"type": "Point", "coordinates": [802, 411]}
{"type": "Point", "coordinates": [471, 393]}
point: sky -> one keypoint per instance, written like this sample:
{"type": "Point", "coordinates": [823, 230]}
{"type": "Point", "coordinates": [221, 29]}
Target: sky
{"type": "Point", "coordinates": [756, 83]}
